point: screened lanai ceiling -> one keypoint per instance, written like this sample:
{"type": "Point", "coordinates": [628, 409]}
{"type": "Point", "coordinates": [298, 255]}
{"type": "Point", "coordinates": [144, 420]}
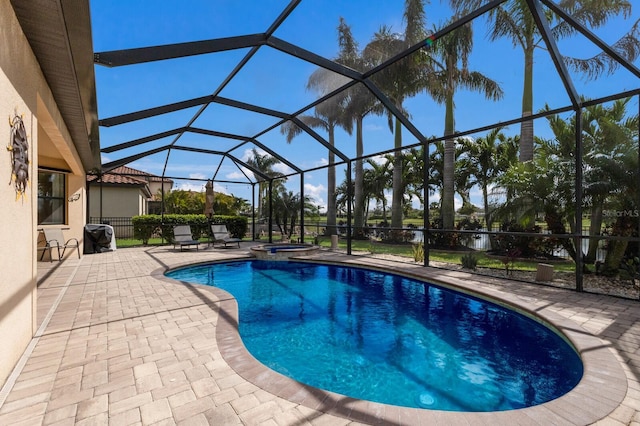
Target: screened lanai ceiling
{"type": "Point", "coordinates": [191, 92]}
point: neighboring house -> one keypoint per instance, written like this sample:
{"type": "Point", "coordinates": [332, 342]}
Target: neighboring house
{"type": "Point", "coordinates": [123, 192]}
{"type": "Point", "coordinates": [51, 140]}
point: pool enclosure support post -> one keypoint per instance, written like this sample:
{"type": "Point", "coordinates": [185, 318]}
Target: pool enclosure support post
{"type": "Point", "coordinates": [101, 198]}
{"type": "Point", "coordinates": [425, 197]}
{"type": "Point", "coordinates": [578, 207]}
{"type": "Point", "coordinates": [638, 182]}
{"type": "Point", "coordinates": [253, 211]}
{"type": "Point", "coordinates": [270, 211]}
{"type": "Point", "coordinates": [349, 201]}
{"type": "Point", "coordinates": [301, 236]}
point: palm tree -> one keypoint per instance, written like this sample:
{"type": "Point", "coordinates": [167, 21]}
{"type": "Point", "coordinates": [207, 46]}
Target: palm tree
{"type": "Point", "coordinates": [328, 115]}
{"type": "Point", "coordinates": [342, 196]}
{"type": "Point", "coordinates": [483, 155]}
{"type": "Point", "coordinates": [463, 182]}
{"type": "Point", "coordinates": [436, 170]}
{"type": "Point", "coordinates": [377, 179]}
{"type": "Point", "coordinates": [450, 72]}
{"type": "Point", "coordinates": [513, 20]}
{"type": "Point", "coordinates": [608, 136]}
{"type": "Point", "coordinates": [263, 163]}
{"type": "Point", "coordinates": [413, 175]}
{"type": "Point", "coordinates": [286, 209]}
{"type": "Point", "coordinates": [359, 102]}
{"type": "Point", "coordinates": [398, 81]}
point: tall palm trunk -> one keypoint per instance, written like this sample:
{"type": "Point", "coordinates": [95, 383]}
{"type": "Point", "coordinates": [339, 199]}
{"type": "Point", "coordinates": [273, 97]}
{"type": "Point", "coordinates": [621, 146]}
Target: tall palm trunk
{"type": "Point", "coordinates": [488, 219]}
{"type": "Point", "coordinates": [331, 191]}
{"type": "Point", "coordinates": [526, 127]}
{"type": "Point", "coordinates": [624, 226]}
{"type": "Point", "coordinates": [397, 196]}
{"type": "Point", "coordinates": [358, 214]}
{"type": "Point", "coordinates": [594, 230]}
{"type": "Point", "coordinates": [260, 198]}
{"type": "Point", "coordinates": [447, 204]}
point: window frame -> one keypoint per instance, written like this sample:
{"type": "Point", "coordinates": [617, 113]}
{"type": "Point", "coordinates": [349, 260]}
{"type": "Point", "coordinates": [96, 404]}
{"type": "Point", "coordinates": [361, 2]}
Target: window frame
{"type": "Point", "coordinates": [59, 198]}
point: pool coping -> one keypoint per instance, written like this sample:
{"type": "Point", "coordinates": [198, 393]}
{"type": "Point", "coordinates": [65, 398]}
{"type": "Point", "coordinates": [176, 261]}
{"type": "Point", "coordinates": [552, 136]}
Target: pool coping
{"type": "Point", "coordinates": [600, 391]}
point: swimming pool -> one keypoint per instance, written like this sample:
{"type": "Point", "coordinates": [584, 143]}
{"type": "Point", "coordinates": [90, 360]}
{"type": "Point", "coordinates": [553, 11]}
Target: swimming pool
{"type": "Point", "coordinates": [390, 339]}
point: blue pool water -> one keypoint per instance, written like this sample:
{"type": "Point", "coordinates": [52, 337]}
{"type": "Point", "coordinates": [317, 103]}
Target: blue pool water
{"type": "Point", "coordinates": [385, 338]}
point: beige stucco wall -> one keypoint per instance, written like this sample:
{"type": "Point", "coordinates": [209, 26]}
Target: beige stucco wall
{"type": "Point", "coordinates": [117, 201]}
{"type": "Point", "coordinates": [24, 90]}
{"type": "Point", "coordinates": [156, 187]}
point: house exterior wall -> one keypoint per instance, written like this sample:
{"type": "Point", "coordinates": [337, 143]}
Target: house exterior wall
{"type": "Point", "coordinates": [24, 90]}
{"type": "Point", "coordinates": [156, 187]}
{"type": "Point", "coordinates": [117, 201]}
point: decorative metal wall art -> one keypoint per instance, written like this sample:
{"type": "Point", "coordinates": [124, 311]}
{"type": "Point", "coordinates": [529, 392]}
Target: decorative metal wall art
{"type": "Point", "coordinates": [19, 150]}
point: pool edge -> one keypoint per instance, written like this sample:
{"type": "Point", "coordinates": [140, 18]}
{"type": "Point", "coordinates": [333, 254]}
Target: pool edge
{"type": "Point", "coordinates": [600, 391]}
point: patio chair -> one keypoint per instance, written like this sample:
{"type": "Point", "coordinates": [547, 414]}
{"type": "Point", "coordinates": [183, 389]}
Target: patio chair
{"type": "Point", "coordinates": [183, 237]}
{"type": "Point", "coordinates": [55, 238]}
{"type": "Point", "coordinates": [220, 233]}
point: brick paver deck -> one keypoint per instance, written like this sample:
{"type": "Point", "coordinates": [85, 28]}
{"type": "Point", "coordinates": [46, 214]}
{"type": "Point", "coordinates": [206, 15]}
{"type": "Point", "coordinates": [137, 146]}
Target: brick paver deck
{"type": "Point", "coordinates": [120, 344]}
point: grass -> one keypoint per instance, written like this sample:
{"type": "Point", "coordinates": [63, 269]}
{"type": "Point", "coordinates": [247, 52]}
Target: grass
{"type": "Point", "coordinates": [124, 243]}
{"type": "Point", "coordinates": [404, 250]}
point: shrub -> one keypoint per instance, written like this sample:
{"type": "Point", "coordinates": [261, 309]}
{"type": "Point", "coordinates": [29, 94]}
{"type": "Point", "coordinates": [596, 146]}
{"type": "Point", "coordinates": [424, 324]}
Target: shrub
{"type": "Point", "coordinates": [418, 252]}
{"type": "Point", "coordinates": [467, 224]}
{"type": "Point", "coordinates": [524, 243]}
{"type": "Point", "coordinates": [469, 261]}
{"type": "Point", "coordinates": [146, 226]}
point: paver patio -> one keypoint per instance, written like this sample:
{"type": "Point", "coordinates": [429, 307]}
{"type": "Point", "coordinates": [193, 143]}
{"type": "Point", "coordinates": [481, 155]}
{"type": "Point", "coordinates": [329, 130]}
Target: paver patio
{"type": "Point", "coordinates": [120, 344]}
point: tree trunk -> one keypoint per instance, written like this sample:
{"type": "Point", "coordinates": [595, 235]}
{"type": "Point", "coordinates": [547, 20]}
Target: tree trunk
{"type": "Point", "coordinates": [358, 211]}
{"type": "Point", "coordinates": [488, 220]}
{"type": "Point", "coordinates": [594, 230]}
{"type": "Point", "coordinates": [331, 190]}
{"type": "Point", "coordinates": [397, 196]}
{"type": "Point", "coordinates": [260, 186]}
{"type": "Point", "coordinates": [555, 225]}
{"type": "Point", "coordinates": [526, 127]}
{"type": "Point", "coordinates": [447, 204]}
{"type": "Point", "coordinates": [623, 227]}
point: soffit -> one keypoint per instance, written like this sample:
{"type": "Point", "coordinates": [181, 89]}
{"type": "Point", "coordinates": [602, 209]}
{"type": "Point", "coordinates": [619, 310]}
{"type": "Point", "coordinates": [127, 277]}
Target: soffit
{"type": "Point", "coordinates": [59, 33]}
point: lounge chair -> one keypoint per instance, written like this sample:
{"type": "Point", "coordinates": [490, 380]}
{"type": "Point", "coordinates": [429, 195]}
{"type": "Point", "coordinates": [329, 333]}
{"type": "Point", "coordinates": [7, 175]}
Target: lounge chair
{"type": "Point", "coordinates": [220, 233]}
{"type": "Point", "coordinates": [55, 238]}
{"type": "Point", "coordinates": [183, 237]}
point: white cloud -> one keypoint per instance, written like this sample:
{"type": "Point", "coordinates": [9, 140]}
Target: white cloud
{"type": "Point", "coordinates": [248, 153]}
{"type": "Point", "coordinates": [282, 168]}
{"type": "Point", "coordinates": [278, 167]}
{"type": "Point", "coordinates": [220, 189]}
{"type": "Point", "coordinates": [378, 159]}
{"type": "Point", "coordinates": [321, 162]}
{"type": "Point", "coordinates": [190, 186]}
{"type": "Point", "coordinates": [235, 175]}
{"type": "Point", "coordinates": [197, 176]}
{"type": "Point", "coordinates": [317, 194]}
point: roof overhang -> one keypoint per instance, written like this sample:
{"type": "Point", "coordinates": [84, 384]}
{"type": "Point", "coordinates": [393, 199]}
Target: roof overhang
{"type": "Point", "coordinates": [59, 32]}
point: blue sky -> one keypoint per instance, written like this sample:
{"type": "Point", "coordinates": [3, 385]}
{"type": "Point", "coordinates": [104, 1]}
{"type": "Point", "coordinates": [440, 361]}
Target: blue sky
{"type": "Point", "coordinates": [277, 81]}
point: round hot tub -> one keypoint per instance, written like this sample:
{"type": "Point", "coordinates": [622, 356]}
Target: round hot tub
{"type": "Point", "coordinates": [283, 251]}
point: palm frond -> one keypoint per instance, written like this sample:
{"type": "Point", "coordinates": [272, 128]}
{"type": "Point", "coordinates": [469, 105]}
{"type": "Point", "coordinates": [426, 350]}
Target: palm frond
{"type": "Point", "coordinates": [628, 47]}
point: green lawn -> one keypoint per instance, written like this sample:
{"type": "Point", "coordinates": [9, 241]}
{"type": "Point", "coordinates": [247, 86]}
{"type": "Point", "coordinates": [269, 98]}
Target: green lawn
{"type": "Point", "coordinates": [405, 250]}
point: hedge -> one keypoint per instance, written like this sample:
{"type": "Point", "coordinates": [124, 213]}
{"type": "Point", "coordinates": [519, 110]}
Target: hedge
{"type": "Point", "coordinates": [146, 226]}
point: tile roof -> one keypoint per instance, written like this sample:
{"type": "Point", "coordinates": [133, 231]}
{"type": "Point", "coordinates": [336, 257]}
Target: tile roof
{"type": "Point", "coordinates": [129, 176]}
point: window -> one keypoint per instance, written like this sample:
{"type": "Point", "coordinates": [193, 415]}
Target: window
{"type": "Point", "coordinates": [51, 198]}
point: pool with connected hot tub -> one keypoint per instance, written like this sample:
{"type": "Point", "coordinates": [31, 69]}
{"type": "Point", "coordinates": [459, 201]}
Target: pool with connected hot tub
{"type": "Point", "coordinates": [283, 251]}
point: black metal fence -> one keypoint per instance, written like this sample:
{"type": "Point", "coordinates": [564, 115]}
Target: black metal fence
{"type": "Point", "coordinates": [122, 226]}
